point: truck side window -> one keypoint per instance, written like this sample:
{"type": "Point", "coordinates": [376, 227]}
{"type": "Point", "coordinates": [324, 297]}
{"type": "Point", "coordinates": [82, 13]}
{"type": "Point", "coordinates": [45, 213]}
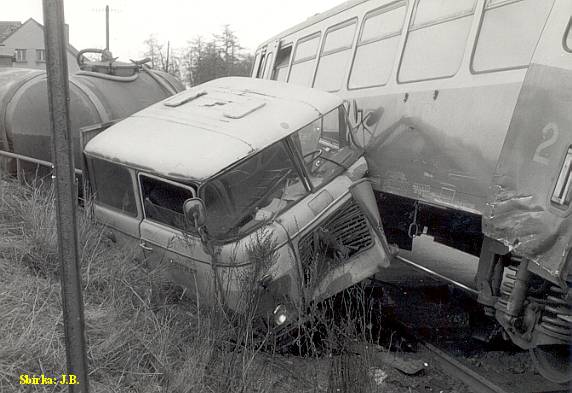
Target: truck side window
{"type": "Point", "coordinates": [325, 148]}
{"type": "Point", "coordinates": [113, 186]}
{"type": "Point", "coordinates": [163, 201]}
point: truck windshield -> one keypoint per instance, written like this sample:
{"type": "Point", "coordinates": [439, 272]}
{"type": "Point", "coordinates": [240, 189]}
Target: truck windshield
{"type": "Point", "coordinates": [326, 147]}
{"type": "Point", "coordinates": [252, 193]}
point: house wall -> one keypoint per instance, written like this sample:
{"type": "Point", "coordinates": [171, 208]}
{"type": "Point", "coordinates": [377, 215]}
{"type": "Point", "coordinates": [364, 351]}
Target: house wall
{"type": "Point", "coordinates": [6, 56]}
{"type": "Point", "coordinates": [31, 38]}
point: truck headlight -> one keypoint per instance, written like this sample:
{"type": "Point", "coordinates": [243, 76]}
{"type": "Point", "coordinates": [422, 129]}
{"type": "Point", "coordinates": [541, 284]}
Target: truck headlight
{"type": "Point", "coordinates": [280, 315]}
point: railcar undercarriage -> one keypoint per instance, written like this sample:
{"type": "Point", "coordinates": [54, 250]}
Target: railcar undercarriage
{"type": "Point", "coordinates": [535, 313]}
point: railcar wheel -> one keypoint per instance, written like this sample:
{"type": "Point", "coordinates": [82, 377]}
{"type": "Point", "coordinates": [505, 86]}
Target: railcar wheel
{"type": "Point", "coordinates": [554, 362]}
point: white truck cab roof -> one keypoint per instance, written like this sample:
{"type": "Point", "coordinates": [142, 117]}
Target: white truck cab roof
{"type": "Point", "coordinates": [199, 132]}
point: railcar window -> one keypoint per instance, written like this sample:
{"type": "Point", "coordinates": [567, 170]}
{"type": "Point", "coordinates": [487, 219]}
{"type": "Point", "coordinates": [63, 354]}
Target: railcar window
{"type": "Point", "coordinates": [307, 48]}
{"type": "Point", "coordinates": [282, 62]}
{"type": "Point", "coordinates": [335, 57]}
{"type": "Point", "coordinates": [261, 66]}
{"type": "Point", "coordinates": [163, 201]}
{"type": "Point", "coordinates": [429, 11]}
{"type": "Point", "coordinates": [303, 63]}
{"type": "Point", "coordinates": [377, 47]}
{"type": "Point", "coordinates": [509, 33]}
{"type": "Point", "coordinates": [255, 70]}
{"type": "Point", "coordinates": [268, 65]}
{"type": "Point", "coordinates": [113, 186]}
{"type": "Point", "coordinates": [436, 39]}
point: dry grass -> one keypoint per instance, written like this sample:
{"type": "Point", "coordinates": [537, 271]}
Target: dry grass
{"type": "Point", "coordinates": [143, 334]}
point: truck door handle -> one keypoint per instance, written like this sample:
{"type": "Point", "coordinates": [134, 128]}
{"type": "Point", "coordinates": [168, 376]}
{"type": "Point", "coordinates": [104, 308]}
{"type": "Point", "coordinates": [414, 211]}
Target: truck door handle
{"type": "Point", "coordinates": [145, 246]}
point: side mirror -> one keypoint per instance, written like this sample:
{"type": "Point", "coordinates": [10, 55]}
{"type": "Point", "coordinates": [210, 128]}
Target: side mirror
{"type": "Point", "coordinates": [195, 212]}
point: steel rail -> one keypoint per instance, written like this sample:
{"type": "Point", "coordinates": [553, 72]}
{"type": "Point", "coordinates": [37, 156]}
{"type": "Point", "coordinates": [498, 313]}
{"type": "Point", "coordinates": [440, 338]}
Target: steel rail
{"type": "Point", "coordinates": [438, 275]}
{"type": "Point", "coordinates": [476, 382]}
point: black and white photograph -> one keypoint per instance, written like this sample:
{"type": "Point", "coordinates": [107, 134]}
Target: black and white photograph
{"type": "Point", "coordinates": [258, 196]}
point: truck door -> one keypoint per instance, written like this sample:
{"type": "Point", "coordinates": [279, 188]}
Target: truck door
{"type": "Point", "coordinates": [171, 247]}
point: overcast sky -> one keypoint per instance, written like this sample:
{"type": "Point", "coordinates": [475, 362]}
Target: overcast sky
{"type": "Point", "coordinates": [132, 21]}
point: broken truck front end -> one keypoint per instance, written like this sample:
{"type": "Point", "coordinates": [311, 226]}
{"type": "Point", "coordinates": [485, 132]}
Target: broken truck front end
{"type": "Point", "coordinates": [240, 185]}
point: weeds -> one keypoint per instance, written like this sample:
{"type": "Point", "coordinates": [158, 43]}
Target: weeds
{"type": "Point", "coordinates": [144, 334]}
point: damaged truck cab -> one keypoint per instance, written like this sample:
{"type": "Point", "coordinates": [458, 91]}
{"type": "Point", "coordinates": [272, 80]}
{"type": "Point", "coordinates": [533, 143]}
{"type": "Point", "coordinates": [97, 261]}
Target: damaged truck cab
{"type": "Point", "coordinates": [241, 181]}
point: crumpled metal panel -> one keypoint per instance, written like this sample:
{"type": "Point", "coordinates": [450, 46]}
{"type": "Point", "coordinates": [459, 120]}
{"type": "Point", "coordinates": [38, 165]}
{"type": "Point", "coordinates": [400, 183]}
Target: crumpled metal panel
{"type": "Point", "coordinates": [520, 212]}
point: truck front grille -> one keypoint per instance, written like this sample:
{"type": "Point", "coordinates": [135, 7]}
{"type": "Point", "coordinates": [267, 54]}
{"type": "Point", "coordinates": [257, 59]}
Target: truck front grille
{"type": "Point", "coordinates": [334, 241]}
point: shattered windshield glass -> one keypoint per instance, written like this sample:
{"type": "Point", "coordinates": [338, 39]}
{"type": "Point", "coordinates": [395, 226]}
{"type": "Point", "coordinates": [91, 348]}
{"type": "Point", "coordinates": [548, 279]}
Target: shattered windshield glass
{"type": "Point", "coordinates": [251, 193]}
{"type": "Point", "coordinates": [326, 148]}
{"type": "Point", "coordinates": [256, 190]}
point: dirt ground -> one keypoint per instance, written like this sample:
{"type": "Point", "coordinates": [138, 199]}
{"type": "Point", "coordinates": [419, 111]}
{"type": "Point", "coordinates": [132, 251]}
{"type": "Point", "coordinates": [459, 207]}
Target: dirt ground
{"type": "Point", "coordinates": [351, 372]}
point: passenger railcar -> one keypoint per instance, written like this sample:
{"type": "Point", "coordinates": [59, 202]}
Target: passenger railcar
{"type": "Point", "coordinates": [463, 107]}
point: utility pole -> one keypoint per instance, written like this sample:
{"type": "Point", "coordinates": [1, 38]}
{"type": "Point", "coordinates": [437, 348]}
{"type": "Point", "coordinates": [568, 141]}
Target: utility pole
{"type": "Point", "coordinates": [58, 95]}
{"type": "Point", "coordinates": [167, 61]}
{"type": "Point", "coordinates": [107, 27]}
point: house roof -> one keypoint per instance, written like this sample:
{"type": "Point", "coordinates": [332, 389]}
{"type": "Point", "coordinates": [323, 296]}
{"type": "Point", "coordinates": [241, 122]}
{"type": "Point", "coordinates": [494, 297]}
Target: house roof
{"type": "Point", "coordinates": [199, 132]}
{"type": "Point", "coordinates": [7, 29]}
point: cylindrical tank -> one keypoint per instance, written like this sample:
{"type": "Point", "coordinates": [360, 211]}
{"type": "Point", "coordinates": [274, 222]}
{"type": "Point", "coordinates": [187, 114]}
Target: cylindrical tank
{"type": "Point", "coordinates": [97, 95]}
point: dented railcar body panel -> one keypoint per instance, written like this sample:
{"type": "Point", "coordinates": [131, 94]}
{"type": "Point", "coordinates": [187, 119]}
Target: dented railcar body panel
{"type": "Point", "coordinates": [524, 213]}
{"type": "Point", "coordinates": [529, 200]}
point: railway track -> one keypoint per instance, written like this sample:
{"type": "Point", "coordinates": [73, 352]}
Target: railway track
{"type": "Point", "coordinates": [476, 382]}
{"type": "Point", "coordinates": [488, 377]}
{"type": "Point", "coordinates": [349, 373]}
{"type": "Point", "coordinates": [479, 382]}
{"type": "Point", "coordinates": [467, 366]}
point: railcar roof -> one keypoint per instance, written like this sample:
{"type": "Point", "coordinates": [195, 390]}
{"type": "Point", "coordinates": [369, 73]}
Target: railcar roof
{"type": "Point", "coordinates": [314, 19]}
{"type": "Point", "coordinates": [197, 133]}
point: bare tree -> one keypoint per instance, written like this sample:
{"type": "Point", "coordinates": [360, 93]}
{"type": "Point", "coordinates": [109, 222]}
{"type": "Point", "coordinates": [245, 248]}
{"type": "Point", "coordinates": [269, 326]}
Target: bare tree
{"type": "Point", "coordinates": [154, 51]}
{"type": "Point", "coordinates": [202, 60]}
{"type": "Point", "coordinates": [229, 47]}
{"type": "Point", "coordinates": [163, 59]}
{"type": "Point", "coordinates": [221, 56]}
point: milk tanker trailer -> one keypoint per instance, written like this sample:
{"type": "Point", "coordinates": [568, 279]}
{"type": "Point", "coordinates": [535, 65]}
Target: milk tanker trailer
{"type": "Point", "coordinates": [100, 93]}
